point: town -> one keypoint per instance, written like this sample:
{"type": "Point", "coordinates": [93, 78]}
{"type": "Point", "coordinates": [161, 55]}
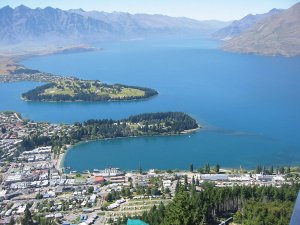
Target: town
{"type": "Point", "coordinates": [102, 196]}
{"type": "Point", "coordinates": [24, 74]}
{"type": "Point", "coordinates": [99, 196]}
{"type": "Point", "coordinates": [13, 129]}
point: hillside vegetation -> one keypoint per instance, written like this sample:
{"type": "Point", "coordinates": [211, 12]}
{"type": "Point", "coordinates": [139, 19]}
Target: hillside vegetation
{"type": "Point", "coordinates": [248, 205]}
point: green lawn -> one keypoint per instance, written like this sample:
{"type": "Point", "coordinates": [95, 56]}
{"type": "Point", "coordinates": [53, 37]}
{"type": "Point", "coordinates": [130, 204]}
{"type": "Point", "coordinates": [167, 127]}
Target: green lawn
{"type": "Point", "coordinates": [72, 88]}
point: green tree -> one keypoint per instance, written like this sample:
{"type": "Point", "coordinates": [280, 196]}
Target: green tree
{"type": "Point", "coordinates": [207, 168]}
{"type": "Point", "coordinates": [271, 170]}
{"type": "Point", "coordinates": [217, 168]}
{"type": "Point", "coordinates": [3, 130]}
{"type": "Point", "coordinates": [258, 169]}
{"type": "Point", "coordinates": [281, 170]}
{"type": "Point", "coordinates": [109, 197]}
{"type": "Point", "coordinates": [90, 189]}
{"type": "Point", "coordinates": [27, 219]}
{"type": "Point", "coordinates": [193, 180]}
{"type": "Point", "coordinates": [179, 210]}
{"type": "Point", "coordinates": [38, 196]}
{"type": "Point", "coordinates": [192, 167]}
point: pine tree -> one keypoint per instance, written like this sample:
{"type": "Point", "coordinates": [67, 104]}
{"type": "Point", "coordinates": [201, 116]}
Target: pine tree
{"type": "Point", "coordinates": [207, 168]}
{"type": "Point", "coordinates": [217, 168]}
{"type": "Point", "coordinates": [192, 167]}
{"type": "Point", "coordinates": [193, 180]}
{"type": "Point", "coordinates": [27, 219]}
{"type": "Point", "coordinates": [179, 210]}
{"type": "Point", "coordinates": [258, 169]}
{"type": "Point", "coordinates": [271, 170]}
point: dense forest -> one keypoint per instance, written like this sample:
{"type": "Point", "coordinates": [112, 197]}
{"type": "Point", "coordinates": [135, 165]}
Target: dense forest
{"type": "Point", "coordinates": [141, 125]}
{"type": "Point", "coordinates": [79, 90]}
{"type": "Point", "coordinates": [248, 205]}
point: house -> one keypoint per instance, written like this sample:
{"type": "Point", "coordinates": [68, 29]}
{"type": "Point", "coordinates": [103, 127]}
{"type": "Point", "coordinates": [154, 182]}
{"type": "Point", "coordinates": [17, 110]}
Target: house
{"type": "Point", "coordinates": [21, 210]}
{"type": "Point", "coordinates": [2, 194]}
{"type": "Point", "coordinates": [99, 179]}
{"type": "Point", "coordinates": [58, 215]}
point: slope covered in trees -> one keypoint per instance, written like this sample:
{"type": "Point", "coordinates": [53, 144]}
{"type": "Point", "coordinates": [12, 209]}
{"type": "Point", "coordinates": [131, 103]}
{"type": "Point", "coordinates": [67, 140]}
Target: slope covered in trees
{"type": "Point", "coordinates": [247, 204]}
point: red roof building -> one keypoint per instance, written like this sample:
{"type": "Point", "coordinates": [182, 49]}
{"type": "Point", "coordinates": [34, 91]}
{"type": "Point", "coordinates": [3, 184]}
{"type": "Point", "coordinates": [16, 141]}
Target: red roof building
{"type": "Point", "coordinates": [99, 179]}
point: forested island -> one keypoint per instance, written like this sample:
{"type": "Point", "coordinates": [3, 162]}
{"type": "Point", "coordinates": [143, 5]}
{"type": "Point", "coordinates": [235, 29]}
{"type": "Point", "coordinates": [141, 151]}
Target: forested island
{"type": "Point", "coordinates": [149, 124]}
{"type": "Point", "coordinates": [86, 90]}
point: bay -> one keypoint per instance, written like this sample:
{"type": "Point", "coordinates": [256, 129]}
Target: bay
{"type": "Point", "coordinates": [249, 105]}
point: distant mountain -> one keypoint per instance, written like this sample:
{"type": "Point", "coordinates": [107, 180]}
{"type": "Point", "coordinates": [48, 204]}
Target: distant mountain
{"type": "Point", "coordinates": [22, 24]}
{"type": "Point", "coordinates": [239, 26]}
{"type": "Point", "coordinates": [275, 35]}
{"type": "Point", "coordinates": [145, 24]}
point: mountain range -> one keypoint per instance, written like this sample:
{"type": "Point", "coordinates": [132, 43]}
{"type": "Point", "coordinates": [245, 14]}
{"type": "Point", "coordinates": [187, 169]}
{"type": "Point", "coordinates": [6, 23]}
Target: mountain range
{"type": "Point", "coordinates": [278, 34]}
{"type": "Point", "coordinates": [52, 25]}
{"type": "Point", "coordinates": [274, 33]}
{"type": "Point", "coordinates": [239, 26]}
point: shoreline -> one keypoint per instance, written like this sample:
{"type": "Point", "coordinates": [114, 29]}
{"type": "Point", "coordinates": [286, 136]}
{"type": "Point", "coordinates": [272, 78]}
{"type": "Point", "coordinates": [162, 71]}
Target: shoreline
{"type": "Point", "coordinates": [61, 159]}
{"type": "Point", "coordinates": [12, 61]}
{"type": "Point", "coordinates": [105, 101]}
{"type": "Point", "coordinates": [69, 147]}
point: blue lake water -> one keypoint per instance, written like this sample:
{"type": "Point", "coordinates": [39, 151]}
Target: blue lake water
{"type": "Point", "coordinates": [249, 105]}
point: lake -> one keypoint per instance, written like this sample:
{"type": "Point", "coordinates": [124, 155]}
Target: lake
{"type": "Point", "coordinates": [248, 105]}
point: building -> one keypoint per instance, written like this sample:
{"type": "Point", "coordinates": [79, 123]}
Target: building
{"type": "Point", "coordinates": [2, 195]}
{"type": "Point", "coordinates": [99, 179]}
{"type": "Point", "coordinates": [214, 177]}
{"type": "Point", "coordinates": [109, 172]}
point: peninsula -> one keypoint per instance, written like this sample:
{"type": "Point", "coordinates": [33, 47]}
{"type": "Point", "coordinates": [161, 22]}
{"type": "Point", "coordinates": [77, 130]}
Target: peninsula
{"type": "Point", "coordinates": [148, 124]}
{"type": "Point", "coordinates": [86, 90]}
{"type": "Point", "coordinates": [21, 135]}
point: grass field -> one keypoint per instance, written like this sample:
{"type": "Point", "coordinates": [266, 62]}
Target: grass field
{"type": "Point", "coordinates": [72, 88]}
{"type": "Point", "coordinates": [86, 90]}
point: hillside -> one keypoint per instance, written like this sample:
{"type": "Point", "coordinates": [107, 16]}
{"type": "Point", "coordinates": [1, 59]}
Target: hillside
{"type": "Point", "coordinates": [276, 35]}
{"type": "Point", "coordinates": [52, 25]}
{"type": "Point", "coordinates": [239, 26]}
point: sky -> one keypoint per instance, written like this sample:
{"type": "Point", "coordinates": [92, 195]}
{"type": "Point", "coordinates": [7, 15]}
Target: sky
{"type": "Point", "coordinates": [197, 9]}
